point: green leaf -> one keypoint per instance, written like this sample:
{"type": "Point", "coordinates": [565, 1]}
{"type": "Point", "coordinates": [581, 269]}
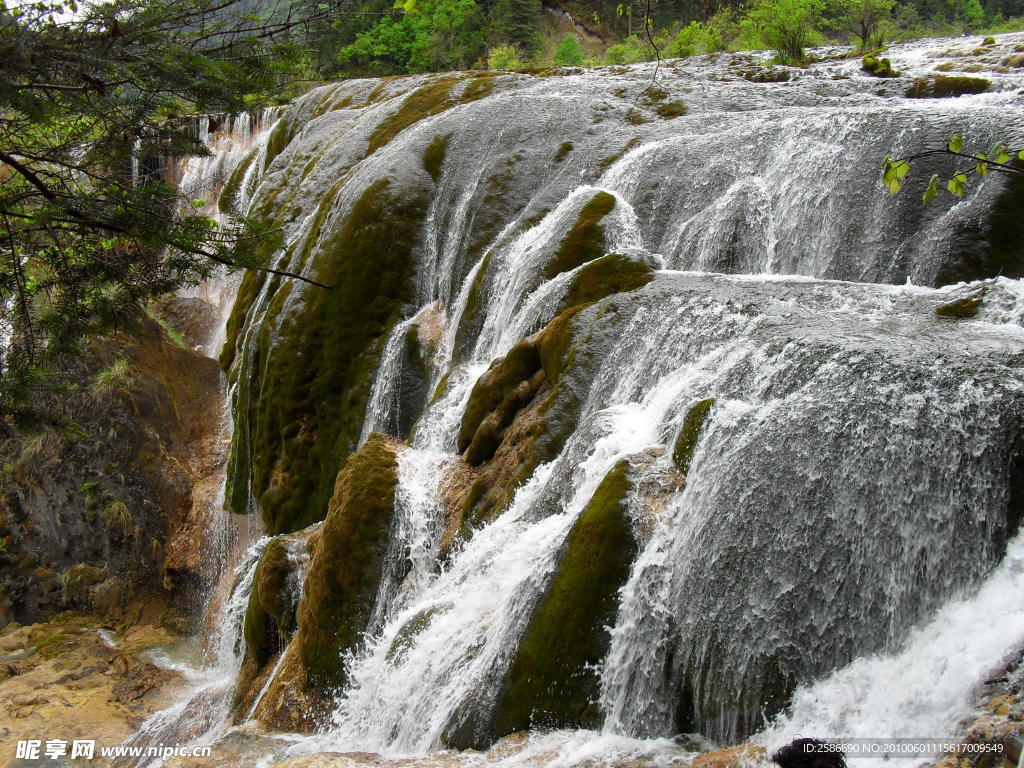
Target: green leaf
{"type": "Point", "coordinates": [1003, 157]}
{"type": "Point", "coordinates": [982, 167]}
{"type": "Point", "coordinates": [956, 143]}
{"type": "Point", "coordinates": [957, 185]}
{"type": "Point", "coordinates": [933, 188]}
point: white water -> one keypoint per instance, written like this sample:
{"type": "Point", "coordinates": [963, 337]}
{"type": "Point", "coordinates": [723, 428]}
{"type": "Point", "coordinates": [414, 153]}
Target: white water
{"type": "Point", "coordinates": [926, 688]}
{"type": "Point", "coordinates": [852, 438]}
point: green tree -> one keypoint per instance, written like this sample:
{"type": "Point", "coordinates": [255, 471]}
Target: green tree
{"type": "Point", "coordinates": [787, 26]}
{"type": "Point", "coordinates": [863, 19]}
{"type": "Point", "coordinates": [515, 22]}
{"type": "Point", "coordinates": [569, 52]}
{"type": "Point", "coordinates": [969, 15]}
{"type": "Point", "coordinates": [86, 94]}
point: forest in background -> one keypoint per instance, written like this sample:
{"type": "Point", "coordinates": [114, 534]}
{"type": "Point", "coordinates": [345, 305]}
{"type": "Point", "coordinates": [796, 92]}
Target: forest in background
{"type": "Point", "coordinates": [384, 37]}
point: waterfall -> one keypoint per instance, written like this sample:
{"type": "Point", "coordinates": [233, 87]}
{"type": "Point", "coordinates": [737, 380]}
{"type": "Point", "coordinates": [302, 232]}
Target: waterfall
{"type": "Point", "coordinates": [802, 433]}
{"type": "Point", "coordinates": [233, 545]}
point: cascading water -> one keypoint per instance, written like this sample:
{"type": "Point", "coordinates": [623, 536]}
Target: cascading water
{"type": "Point", "coordinates": [848, 435]}
{"type": "Point", "coordinates": [234, 545]}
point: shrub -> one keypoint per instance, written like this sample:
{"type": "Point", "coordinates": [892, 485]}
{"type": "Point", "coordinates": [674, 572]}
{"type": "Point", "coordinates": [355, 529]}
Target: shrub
{"type": "Point", "coordinates": [569, 52]}
{"type": "Point", "coordinates": [786, 26]}
{"type": "Point", "coordinates": [688, 41]}
{"type": "Point", "coordinates": [630, 51]}
{"type": "Point", "coordinates": [505, 57]}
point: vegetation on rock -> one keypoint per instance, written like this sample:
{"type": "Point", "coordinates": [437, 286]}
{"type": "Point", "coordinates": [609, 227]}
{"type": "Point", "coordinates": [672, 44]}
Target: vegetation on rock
{"type": "Point", "coordinates": [314, 380]}
{"type": "Point", "coordinates": [585, 240]}
{"type": "Point", "coordinates": [553, 679]}
{"type": "Point", "coordinates": [693, 425]}
{"type": "Point", "coordinates": [348, 557]}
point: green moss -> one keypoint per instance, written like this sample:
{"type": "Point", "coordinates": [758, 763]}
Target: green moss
{"type": "Point", "coordinates": [946, 86]}
{"type": "Point", "coordinates": [442, 387]}
{"type": "Point", "coordinates": [433, 156]}
{"type": "Point", "coordinates": [471, 318]}
{"type": "Point", "coordinates": [767, 75]}
{"type": "Point", "coordinates": [553, 678]}
{"type": "Point", "coordinates": [689, 434]}
{"type": "Point", "coordinates": [653, 95]}
{"type": "Point", "coordinates": [602, 277]}
{"type": "Point", "coordinates": [424, 102]}
{"type": "Point", "coordinates": [670, 110]}
{"type": "Point", "coordinates": [878, 67]}
{"type": "Point", "coordinates": [407, 634]}
{"type": "Point", "coordinates": [345, 572]}
{"type": "Point", "coordinates": [259, 629]}
{"type": "Point", "coordinates": [272, 586]}
{"type": "Point", "coordinates": [327, 104]}
{"type": "Point", "coordinates": [229, 192]}
{"type": "Point", "coordinates": [961, 309]}
{"type": "Point", "coordinates": [563, 151]}
{"type": "Point", "coordinates": [49, 646]}
{"type": "Point", "coordinates": [300, 411]}
{"type": "Point", "coordinates": [636, 117]}
{"type": "Point", "coordinates": [279, 138]}
{"type": "Point", "coordinates": [497, 397]}
{"type": "Point", "coordinates": [606, 162]}
{"type": "Point", "coordinates": [585, 241]}
{"type": "Point", "coordinates": [478, 87]}
{"type": "Point", "coordinates": [554, 422]}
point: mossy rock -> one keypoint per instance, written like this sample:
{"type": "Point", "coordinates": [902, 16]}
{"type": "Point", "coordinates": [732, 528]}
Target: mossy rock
{"type": "Point", "coordinates": [552, 680]}
{"type": "Point", "coordinates": [606, 162]}
{"type": "Point", "coordinates": [563, 151]}
{"type": "Point", "coordinates": [259, 629]}
{"type": "Point", "coordinates": [768, 75]}
{"type": "Point", "coordinates": [271, 588]}
{"type": "Point", "coordinates": [689, 435]}
{"type": "Point", "coordinates": [585, 241]}
{"type": "Point", "coordinates": [946, 86]}
{"type": "Point", "coordinates": [961, 309]}
{"type": "Point", "coordinates": [670, 110]}
{"type": "Point", "coordinates": [229, 192]}
{"type": "Point", "coordinates": [508, 385]}
{"type": "Point", "coordinates": [345, 571]}
{"type": "Point", "coordinates": [426, 101]}
{"type": "Point", "coordinates": [433, 155]}
{"type": "Point", "coordinates": [300, 403]}
{"type": "Point", "coordinates": [270, 613]}
{"type": "Point", "coordinates": [280, 137]}
{"type": "Point", "coordinates": [614, 273]}
{"type": "Point", "coordinates": [878, 67]}
{"type": "Point", "coordinates": [407, 634]}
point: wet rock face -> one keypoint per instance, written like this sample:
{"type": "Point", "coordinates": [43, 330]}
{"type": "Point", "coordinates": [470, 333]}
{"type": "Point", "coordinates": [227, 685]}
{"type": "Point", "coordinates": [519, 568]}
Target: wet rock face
{"type": "Point", "coordinates": [347, 562]}
{"type": "Point", "coordinates": [553, 679]}
{"type": "Point", "coordinates": [542, 312]}
{"type": "Point", "coordinates": [88, 518]}
{"type": "Point", "coordinates": [311, 361]}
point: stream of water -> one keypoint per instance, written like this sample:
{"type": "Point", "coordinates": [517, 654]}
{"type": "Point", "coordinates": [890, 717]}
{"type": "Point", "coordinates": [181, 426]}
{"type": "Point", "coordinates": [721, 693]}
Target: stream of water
{"type": "Point", "coordinates": [846, 521]}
